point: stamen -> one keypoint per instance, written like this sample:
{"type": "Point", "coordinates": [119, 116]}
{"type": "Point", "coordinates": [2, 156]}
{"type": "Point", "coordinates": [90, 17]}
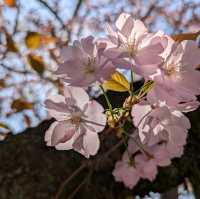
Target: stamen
{"type": "Point", "coordinates": [76, 118]}
{"type": "Point", "coordinates": [89, 67]}
{"type": "Point", "coordinates": [173, 70]}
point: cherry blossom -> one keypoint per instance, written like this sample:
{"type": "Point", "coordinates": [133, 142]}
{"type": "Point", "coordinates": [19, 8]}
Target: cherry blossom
{"type": "Point", "coordinates": [156, 120]}
{"type": "Point", "coordinates": [131, 46]}
{"type": "Point", "coordinates": [83, 63]}
{"type": "Point", "coordinates": [126, 172]}
{"type": "Point", "coordinates": [147, 163]}
{"type": "Point", "coordinates": [78, 121]}
{"type": "Point", "coordinates": [177, 80]}
{"type": "Point", "coordinates": [160, 127]}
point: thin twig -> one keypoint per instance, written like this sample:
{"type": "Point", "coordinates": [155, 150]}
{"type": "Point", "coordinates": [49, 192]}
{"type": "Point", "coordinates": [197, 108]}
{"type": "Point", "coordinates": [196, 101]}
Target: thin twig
{"type": "Point", "coordinates": [53, 12]}
{"type": "Point", "coordinates": [74, 174]}
{"type": "Point", "coordinates": [148, 13]}
{"type": "Point", "coordinates": [75, 13]}
{"type": "Point", "coordinates": [84, 165]}
{"type": "Point", "coordinates": [78, 6]}
{"type": "Point", "coordinates": [116, 146]}
{"type": "Point", "coordinates": [14, 70]}
{"type": "Point", "coordinates": [16, 19]}
{"type": "Point", "coordinates": [80, 185]}
{"type": "Point", "coordinates": [99, 159]}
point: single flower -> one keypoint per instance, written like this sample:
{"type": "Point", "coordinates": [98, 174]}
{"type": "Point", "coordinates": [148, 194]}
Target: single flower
{"type": "Point", "coordinates": [79, 121]}
{"type": "Point", "coordinates": [126, 172]}
{"type": "Point", "coordinates": [83, 63]}
{"type": "Point", "coordinates": [132, 47]}
{"type": "Point", "coordinates": [159, 122]}
{"type": "Point", "coordinates": [177, 80]}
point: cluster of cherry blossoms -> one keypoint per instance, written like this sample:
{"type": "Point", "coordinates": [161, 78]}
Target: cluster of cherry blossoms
{"type": "Point", "coordinates": [171, 87]}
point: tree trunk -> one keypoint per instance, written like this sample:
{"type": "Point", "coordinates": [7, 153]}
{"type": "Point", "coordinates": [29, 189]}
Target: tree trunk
{"type": "Point", "coordinates": [171, 194]}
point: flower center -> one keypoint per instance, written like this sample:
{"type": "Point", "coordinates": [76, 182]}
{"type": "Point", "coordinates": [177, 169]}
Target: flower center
{"type": "Point", "coordinates": [131, 46]}
{"type": "Point", "coordinates": [89, 67]}
{"type": "Point", "coordinates": [173, 70]}
{"type": "Point", "coordinates": [76, 120]}
{"type": "Point", "coordinates": [131, 50]}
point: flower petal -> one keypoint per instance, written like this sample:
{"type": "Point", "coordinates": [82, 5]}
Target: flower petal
{"type": "Point", "coordinates": [79, 95]}
{"type": "Point", "coordinates": [62, 132]}
{"type": "Point", "coordinates": [56, 107]}
{"type": "Point", "coordinates": [91, 142]}
{"type": "Point", "coordinates": [94, 116]}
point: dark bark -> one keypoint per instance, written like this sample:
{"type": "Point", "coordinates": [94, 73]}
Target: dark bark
{"type": "Point", "coordinates": [30, 170]}
{"type": "Point", "coordinates": [171, 194]}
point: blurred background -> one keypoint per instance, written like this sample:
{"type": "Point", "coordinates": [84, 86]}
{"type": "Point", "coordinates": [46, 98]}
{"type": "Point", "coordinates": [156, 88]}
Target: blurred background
{"type": "Point", "coordinates": [32, 31]}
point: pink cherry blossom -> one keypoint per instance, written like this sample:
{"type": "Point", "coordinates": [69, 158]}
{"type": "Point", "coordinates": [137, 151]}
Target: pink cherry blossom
{"type": "Point", "coordinates": [78, 121]}
{"type": "Point", "coordinates": [177, 80]}
{"type": "Point", "coordinates": [131, 46]}
{"type": "Point", "coordinates": [84, 64]}
{"type": "Point", "coordinates": [156, 120]}
{"type": "Point", "coordinates": [147, 163]}
{"type": "Point", "coordinates": [126, 172]}
{"type": "Point", "coordinates": [156, 125]}
{"type": "Point", "coordinates": [161, 128]}
{"type": "Point", "coordinates": [147, 166]}
{"type": "Point", "coordinates": [134, 166]}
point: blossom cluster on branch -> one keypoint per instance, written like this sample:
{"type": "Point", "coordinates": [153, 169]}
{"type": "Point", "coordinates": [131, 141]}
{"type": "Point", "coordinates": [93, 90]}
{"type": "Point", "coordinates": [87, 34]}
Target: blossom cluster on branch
{"type": "Point", "coordinates": [154, 113]}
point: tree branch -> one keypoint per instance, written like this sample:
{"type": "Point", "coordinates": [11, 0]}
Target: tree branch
{"type": "Point", "coordinates": [53, 12]}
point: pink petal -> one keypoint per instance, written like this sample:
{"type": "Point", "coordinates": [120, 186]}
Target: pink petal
{"type": "Point", "coordinates": [112, 35]}
{"type": "Point", "coordinates": [91, 142]}
{"type": "Point", "coordinates": [188, 106]}
{"type": "Point", "coordinates": [190, 79]}
{"type": "Point", "coordinates": [56, 107]}
{"type": "Point", "coordinates": [139, 29]}
{"type": "Point", "coordinates": [78, 94]}
{"type": "Point", "coordinates": [174, 150]}
{"type": "Point", "coordinates": [69, 52]}
{"type": "Point", "coordinates": [63, 132]}
{"type": "Point", "coordinates": [122, 20]}
{"type": "Point", "coordinates": [132, 146]}
{"type": "Point", "coordinates": [191, 55]}
{"type": "Point", "coordinates": [94, 116]}
{"type": "Point", "coordinates": [88, 45]}
{"type": "Point", "coordinates": [49, 132]}
{"type": "Point", "coordinates": [122, 63]}
{"type": "Point", "coordinates": [180, 119]}
{"type": "Point", "coordinates": [130, 177]}
{"type": "Point", "coordinates": [150, 55]}
{"type": "Point", "coordinates": [106, 71]}
{"type": "Point", "coordinates": [160, 93]}
{"type": "Point", "coordinates": [78, 146]}
{"type": "Point", "coordinates": [139, 111]}
{"type": "Point", "coordinates": [177, 135]}
{"type": "Point", "coordinates": [70, 67]}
